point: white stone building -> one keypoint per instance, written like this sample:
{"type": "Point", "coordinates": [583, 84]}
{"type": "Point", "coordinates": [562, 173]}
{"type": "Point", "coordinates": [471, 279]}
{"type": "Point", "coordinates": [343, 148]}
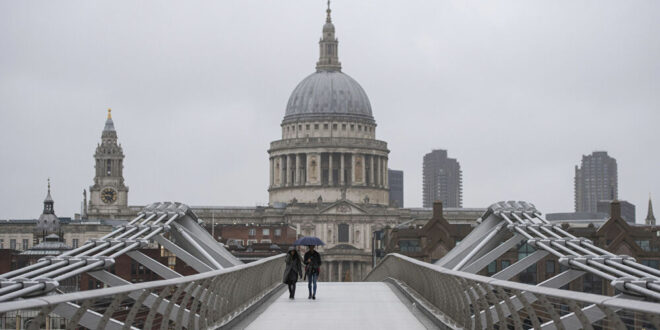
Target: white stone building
{"type": "Point", "coordinates": [328, 173]}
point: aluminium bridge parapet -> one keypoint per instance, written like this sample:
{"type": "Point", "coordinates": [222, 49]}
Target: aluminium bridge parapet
{"type": "Point", "coordinates": [202, 301]}
{"type": "Point", "coordinates": [473, 301]}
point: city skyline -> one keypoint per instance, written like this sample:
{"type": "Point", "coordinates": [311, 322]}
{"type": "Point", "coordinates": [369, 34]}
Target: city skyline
{"type": "Point", "coordinates": [164, 117]}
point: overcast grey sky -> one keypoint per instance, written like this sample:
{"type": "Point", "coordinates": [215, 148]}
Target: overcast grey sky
{"type": "Point", "coordinates": [517, 91]}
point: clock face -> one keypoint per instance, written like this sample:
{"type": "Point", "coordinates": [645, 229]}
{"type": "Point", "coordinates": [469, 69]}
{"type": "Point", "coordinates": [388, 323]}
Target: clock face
{"type": "Point", "coordinates": [108, 195]}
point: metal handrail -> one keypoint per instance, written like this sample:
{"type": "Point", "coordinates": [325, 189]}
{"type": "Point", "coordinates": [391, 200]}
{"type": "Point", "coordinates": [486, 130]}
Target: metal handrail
{"type": "Point", "coordinates": [205, 300]}
{"type": "Point", "coordinates": [471, 300]}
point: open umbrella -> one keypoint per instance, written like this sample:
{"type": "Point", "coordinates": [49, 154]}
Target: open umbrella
{"type": "Point", "coordinates": [309, 240]}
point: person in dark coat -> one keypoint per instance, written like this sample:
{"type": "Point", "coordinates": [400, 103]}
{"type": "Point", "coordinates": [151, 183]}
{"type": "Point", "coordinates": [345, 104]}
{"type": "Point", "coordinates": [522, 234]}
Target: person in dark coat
{"type": "Point", "coordinates": [292, 271]}
{"type": "Point", "coordinates": [312, 260]}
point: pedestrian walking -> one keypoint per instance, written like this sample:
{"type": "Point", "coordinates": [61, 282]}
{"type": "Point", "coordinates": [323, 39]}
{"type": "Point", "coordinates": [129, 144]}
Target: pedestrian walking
{"type": "Point", "coordinates": [312, 260]}
{"type": "Point", "coordinates": [292, 271]}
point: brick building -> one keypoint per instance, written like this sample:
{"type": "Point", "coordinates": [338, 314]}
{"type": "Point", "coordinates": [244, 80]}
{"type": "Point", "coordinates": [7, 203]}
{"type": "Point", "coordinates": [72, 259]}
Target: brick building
{"type": "Point", "coordinates": [434, 239]}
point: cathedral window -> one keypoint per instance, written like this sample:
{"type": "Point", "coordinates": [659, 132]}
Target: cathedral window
{"type": "Point", "coordinates": [108, 166]}
{"type": "Point", "coordinates": [316, 126]}
{"type": "Point", "coordinates": [307, 127]}
{"type": "Point", "coordinates": [325, 126]}
{"type": "Point", "coordinates": [359, 127]}
{"type": "Point", "coordinates": [352, 127]}
{"type": "Point", "coordinates": [334, 127]}
{"type": "Point", "coordinates": [342, 231]}
{"type": "Point", "coordinates": [343, 127]}
{"type": "Point", "coordinates": [300, 127]}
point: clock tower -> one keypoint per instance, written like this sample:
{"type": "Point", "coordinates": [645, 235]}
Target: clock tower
{"type": "Point", "coordinates": [109, 195]}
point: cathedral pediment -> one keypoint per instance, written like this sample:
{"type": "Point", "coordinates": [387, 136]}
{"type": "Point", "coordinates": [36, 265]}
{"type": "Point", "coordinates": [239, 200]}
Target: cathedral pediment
{"type": "Point", "coordinates": [343, 207]}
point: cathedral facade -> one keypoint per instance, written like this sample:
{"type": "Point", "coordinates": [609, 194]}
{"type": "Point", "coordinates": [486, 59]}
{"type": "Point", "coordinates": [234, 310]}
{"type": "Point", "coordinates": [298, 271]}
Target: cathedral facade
{"type": "Point", "coordinates": [328, 150]}
{"type": "Point", "coordinates": [328, 174]}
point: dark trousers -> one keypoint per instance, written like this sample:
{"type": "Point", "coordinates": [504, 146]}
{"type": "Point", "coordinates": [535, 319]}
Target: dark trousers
{"type": "Point", "coordinates": [292, 289]}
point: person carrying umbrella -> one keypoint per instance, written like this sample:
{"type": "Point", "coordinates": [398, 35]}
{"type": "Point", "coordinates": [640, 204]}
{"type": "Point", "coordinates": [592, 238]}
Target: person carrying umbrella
{"type": "Point", "coordinates": [312, 260]}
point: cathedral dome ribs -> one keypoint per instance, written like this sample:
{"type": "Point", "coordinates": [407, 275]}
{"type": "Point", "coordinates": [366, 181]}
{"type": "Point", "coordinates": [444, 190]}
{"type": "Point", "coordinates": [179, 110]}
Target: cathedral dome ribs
{"type": "Point", "coordinates": [328, 151]}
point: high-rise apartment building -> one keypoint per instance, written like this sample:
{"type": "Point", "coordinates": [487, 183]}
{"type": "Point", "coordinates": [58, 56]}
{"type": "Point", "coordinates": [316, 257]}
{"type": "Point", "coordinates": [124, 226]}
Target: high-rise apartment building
{"type": "Point", "coordinates": [595, 180]}
{"type": "Point", "coordinates": [395, 179]}
{"type": "Point", "coordinates": [442, 180]}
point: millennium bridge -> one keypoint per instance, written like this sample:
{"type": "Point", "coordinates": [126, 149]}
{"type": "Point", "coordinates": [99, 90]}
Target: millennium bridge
{"type": "Point", "coordinates": [400, 292]}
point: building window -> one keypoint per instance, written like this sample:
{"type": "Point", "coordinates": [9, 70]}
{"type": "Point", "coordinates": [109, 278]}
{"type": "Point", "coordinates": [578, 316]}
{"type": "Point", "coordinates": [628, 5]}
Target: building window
{"type": "Point", "coordinates": [108, 164]}
{"type": "Point", "coordinates": [300, 127]}
{"type": "Point", "coordinates": [325, 126]}
{"type": "Point", "coordinates": [25, 244]}
{"type": "Point", "coordinates": [307, 127]}
{"type": "Point", "coordinates": [278, 232]}
{"type": "Point", "coordinates": [265, 241]}
{"type": "Point", "coordinates": [343, 127]}
{"type": "Point", "coordinates": [549, 267]}
{"type": "Point", "coordinates": [316, 126]}
{"type": "Point", "coordinates": [644, 245]}
{"type": "Point", "coordinates": [352, 127]}
{"type": "Point", "coordinates": [251, 241]}
{"type": "Point", "coordinates": [653, 263]}
{"type": "Point", "coordinates": [12, 244]}
{"type": "Point", "coordinates": [334, 127]}
{"type": "Point", "coordinates": [342, 230]}
{"type": "Point", "coordinates": [492, 268]}
{"type": "Point", "coordinates": [505, 264]}
{"type": "Point", "coordinates": [525, 250]}
{"type": "Point", "coordinates": [409, 245]}
{"type": "Point", "coordinates": [2, 243]}
{"type": "Point", "coordinates": [74, 243]}
{"type": "Point", "coordinates": [360, 128]}
{"type": "Point", "coordinates": [265, 231]}
{"type": "Point", "coordinates": [235, 242]}
{"type": "Point", "coordinates": [252, 232]}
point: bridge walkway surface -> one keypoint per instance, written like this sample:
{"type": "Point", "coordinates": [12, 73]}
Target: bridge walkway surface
{"type": "Point", "coordinates": [348, 305]}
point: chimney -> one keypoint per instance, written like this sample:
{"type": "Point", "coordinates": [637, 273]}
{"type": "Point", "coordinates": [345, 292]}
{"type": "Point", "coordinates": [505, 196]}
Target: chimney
{"type": "Point", "coordinates": [615, 209]}
{"type": "Point", "coordinates": [437, 210]}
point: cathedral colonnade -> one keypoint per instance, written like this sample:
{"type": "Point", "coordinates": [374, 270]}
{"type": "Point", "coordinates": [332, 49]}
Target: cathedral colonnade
{"type": "Point", "coordinates": [344, 271]}
{"type": "Point", "coordinates": [331, 169]}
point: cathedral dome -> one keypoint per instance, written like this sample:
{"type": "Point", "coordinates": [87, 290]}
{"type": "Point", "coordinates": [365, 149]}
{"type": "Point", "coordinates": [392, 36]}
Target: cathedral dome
{"type": "Point", "coordinates": [328, 93]}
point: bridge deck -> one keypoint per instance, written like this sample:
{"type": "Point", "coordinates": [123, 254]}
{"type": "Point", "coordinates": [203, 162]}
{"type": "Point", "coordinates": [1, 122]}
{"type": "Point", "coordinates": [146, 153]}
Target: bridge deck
{"type": "Point", "coordinates": [359, 305]}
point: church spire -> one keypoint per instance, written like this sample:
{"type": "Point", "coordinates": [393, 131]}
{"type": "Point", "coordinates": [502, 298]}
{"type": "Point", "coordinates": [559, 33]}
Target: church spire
{"type": "Point", "coordinates": [48, 202]}
{"type": "Point", "coordinates": [328, 46]}
{"type": "Point", "coordinates": [650, 218]}
{"type": "Point", "coordinates": [109, 124]}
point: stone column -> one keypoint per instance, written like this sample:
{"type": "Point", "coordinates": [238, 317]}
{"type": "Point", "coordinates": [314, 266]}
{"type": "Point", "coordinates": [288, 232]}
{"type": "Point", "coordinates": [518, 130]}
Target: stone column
{"type": "Point", "coordinates": [353, 277]}
{"type": "Point", "coordinates": [353, 169]}
{"type": "Point", "coordinates": [330, 169]}
{"type": "Point", "coordinates": [289, 176]}
{"type": "Point", "coordinates": [340, 271]}
{"type": "Point", "coordinates": [364, 170]}
{"type": "Point", "coordinates": [371, 171]}
{"type": "Point", "coordinates": [283, 170]}
{"type": "Point", "coordinates": [342, 180]}
{"type": "Point", "coordinates": [271, 171]}
{"type": "Point", "coordinates": [297, 179]}
{"type": "Point", "coordinates": [387, 183]}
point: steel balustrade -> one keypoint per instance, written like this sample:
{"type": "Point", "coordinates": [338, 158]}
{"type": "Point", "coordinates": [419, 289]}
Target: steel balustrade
{"type": "Point", "coordinates": [201, 301]}
{"type": "Point", "coordinates": [471, 301]}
